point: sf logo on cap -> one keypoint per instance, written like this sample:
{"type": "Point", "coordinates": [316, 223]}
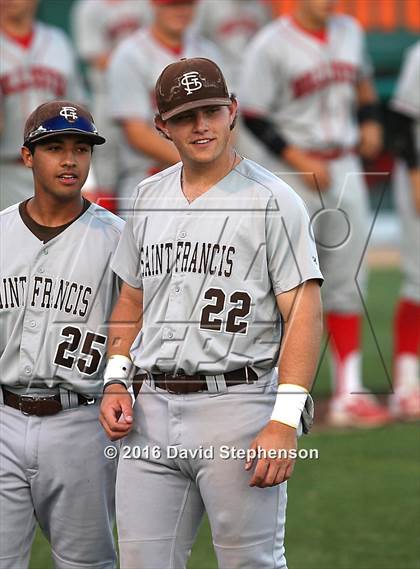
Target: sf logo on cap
{"type": "Point", "coordinates": [191, 81]}
{"type": "Point", "coordinates": [69, 113]}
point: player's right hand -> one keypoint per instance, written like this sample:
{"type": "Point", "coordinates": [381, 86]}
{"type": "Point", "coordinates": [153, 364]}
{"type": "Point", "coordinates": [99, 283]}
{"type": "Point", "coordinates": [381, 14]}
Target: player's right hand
{"type": "Point", "coordinates": [415, 188]}
{"type": "Point", "coordinates": [314, 171]}
{"type": "Point", "coordinates": [116, 413]}
{"type": "Point", "coordinates": [316, 174]}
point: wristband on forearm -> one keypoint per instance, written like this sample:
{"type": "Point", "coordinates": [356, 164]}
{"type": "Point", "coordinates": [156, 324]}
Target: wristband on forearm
{"type": "Point", "coordinates": [369, 112]}
{"type": "Point", "coordinates": [402, 138]}
{"type": "Point", "coordinates": [114, 382]}
{"type": "Point", "coordinates": [289, 404]}
{"type": "Point", "coordinates": [118, 369]}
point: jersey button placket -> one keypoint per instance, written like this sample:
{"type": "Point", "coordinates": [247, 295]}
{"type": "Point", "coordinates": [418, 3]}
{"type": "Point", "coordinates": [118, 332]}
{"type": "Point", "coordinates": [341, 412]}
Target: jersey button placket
{"type": "Point", "coordinates": [173, 313]}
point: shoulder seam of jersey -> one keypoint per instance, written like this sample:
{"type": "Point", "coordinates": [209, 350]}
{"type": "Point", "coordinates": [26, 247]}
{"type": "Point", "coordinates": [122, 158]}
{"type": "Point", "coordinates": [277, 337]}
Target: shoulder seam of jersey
{"type": "Point", "coordinates": [9, 209]}
{"type": "Point", "coordinates": [257, 181]}
{"type": "Point", "coordinates": [106, 221]}
{"type": "Point", "coordinates": [157, 177]}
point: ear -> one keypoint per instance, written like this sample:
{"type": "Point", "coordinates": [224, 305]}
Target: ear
{"type": "Point", "coordinates": [27, 156]}
{"type": "Point", "coordinates": [160, 126]}
{"type": "Point", "coordinates": [233, 111]}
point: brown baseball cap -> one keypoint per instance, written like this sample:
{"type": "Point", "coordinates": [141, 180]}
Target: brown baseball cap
{"type": "Point", "coordinates": [189, 84]}
{"type": "Point", "coordinates": [60, 117]}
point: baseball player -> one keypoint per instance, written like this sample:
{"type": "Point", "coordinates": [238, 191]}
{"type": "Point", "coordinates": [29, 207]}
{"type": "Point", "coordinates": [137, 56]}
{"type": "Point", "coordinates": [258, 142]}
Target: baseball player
{"type": "Point", "coordinates": [219, 267]}
{"type": "Point", "coordinates": [405, 402]}
{"type": "Point", "coordinates": [37, 64]}
{"type": "Point", "coordinates": [303, 77]}
{"type": "Point", "coordinates": [98, 27]}
{"type": "Point", "coordinates": [231, 24]}
{"type": "Point", "coordinates": [134, 68]}
{"type": "Point", "coordinates": [56, 294]}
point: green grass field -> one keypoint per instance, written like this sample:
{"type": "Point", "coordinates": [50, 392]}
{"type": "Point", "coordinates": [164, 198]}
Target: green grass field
{"type": "Point", "coordinates": [358, 505]}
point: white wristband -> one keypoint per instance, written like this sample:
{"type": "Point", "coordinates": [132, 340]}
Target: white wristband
{"type": "Point", "coordinates": [118, 368]}
{"type": "Point", "coordinates": [289, 404]}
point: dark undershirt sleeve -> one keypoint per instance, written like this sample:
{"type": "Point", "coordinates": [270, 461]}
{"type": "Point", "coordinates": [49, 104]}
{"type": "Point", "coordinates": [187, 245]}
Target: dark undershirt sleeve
{"type": "Point", "coordinates": [401, 140]}
{"type": "Point", "coordinates": [266, 132]}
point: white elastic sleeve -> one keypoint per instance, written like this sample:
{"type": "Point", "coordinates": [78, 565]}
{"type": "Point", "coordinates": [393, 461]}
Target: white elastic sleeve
{"type": "Point", "coordinates": [289, 404]}
{"type": "Point", "coordinates": [118, 368]}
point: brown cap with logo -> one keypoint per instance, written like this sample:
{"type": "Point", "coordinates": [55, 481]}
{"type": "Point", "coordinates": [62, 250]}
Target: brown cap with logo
{"type": "Point", "coordinates": [189, 84]}
{"type": "Point", "coordinates": [60, 117]}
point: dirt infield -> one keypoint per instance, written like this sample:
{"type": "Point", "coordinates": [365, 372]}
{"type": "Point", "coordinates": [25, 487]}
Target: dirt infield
{"type": "Point", "coordinates": [383, 257]}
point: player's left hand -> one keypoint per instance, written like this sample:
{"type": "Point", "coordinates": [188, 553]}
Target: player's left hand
{"type": "Point", "coordinates": [273, 471]}
{"type": "Point", "coordinates": [371, 140]}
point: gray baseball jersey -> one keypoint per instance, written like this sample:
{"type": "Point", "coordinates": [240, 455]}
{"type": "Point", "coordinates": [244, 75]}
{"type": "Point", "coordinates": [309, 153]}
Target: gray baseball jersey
{"type": "Point", "coordinates": [210, 270]}
{"type": "Point", "coordinates": [55, 298]}
{"type": "Point", "coordinates": [406, 100]}
{"type": "Point", "coordinates": [308, 90]}
{"type": "Point", "coordinates": [134, 68]}
{"type": "Point", "coordinates": [29, 76]}
{"type": "Point", "coordinates": [231, 24]}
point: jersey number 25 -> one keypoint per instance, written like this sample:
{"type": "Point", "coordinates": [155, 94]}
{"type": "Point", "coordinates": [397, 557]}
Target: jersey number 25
{"type": "Point", "coordinates": [64, 356]}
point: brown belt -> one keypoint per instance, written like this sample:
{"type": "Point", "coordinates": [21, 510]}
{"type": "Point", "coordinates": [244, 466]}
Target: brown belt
{"type": "Point", "coordinates": [40, 405]}
{"type": "Point", "coordinates": [181, 383]}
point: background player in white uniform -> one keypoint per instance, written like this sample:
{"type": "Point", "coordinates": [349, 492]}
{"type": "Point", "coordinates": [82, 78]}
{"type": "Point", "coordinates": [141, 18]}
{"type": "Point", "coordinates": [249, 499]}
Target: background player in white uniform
{"type": "Point", "coordinates": [207, 264]}
{"type": "Point", "coordinates": [405, 402]}
{"type": "Point", "coordinates": [56, 294]}
{"type": "Point", "coordinates": [134, 69]}
{"type": "Point", "coordinates": [304, 76]}
{"type": "Point", "coordinates": [98, 26]}
{"type": "Point", "coordinates": [37, 64]}
{"type": "Point", "coordinates": [231, 24]}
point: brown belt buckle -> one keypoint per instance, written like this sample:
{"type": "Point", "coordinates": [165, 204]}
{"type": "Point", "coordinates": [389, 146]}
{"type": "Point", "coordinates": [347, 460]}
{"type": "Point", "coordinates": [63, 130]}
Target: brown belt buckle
{"type": "Point", "coordinates": [173, 382]}
{"type": "Point", "coordinates": [180, 383]}
{"type": "Point", "coordinates": [27, 404]}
